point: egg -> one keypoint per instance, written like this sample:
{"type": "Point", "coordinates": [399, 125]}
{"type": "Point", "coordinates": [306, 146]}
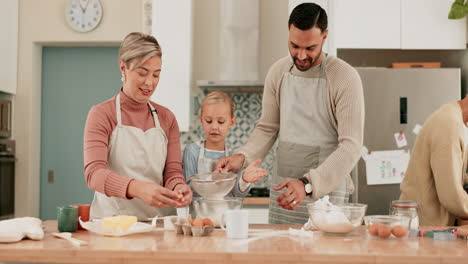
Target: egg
{"type": "Point", "coordinates": [373, 229]}
{"type": "Point", "coordinates": [399, 231]}
{"type": "Point", "coordinates": [207, 222]}
{"type": "Point", "coordinates": [384, 231]}
{"type": "Point", "coordinates": [462, 231]}
{"type": "Point", "coordinates": [197, 222]}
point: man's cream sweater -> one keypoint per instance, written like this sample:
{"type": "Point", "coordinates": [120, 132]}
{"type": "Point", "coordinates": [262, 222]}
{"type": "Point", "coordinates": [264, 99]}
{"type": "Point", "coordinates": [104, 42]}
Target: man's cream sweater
{"type": "Point", "coordinates": [346, 105]}
{"type": "Point", "coordinates": [437, 169]}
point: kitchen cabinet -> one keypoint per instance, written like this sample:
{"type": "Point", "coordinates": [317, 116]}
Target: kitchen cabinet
{"type": "Point", "coordinates": [9, 45]}
{"type": "Point", "coordinates": [367, 24]}
{"type": "Point", "coordinates": [425, 26]}
{"type": "Point", "coordinates": [404, 24]}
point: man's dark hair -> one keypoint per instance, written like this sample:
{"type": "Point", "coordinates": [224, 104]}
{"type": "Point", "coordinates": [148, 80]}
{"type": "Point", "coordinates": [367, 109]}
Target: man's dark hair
{"type": "Point", "coordinates": [308, 15]}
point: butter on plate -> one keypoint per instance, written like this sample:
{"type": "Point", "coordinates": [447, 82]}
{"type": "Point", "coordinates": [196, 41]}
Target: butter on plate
{"type": "Point", "coordinates": [123, 222]}
{"type": "Point", "coordinates": [121, 225]}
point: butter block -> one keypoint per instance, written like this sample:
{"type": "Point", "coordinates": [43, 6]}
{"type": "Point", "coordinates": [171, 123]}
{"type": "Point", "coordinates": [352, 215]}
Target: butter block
{"type": "Point", "coordinates": [120, 221]}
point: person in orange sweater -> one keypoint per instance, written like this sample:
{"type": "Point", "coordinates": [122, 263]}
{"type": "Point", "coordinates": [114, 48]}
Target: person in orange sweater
{"type": "Point", "coordinates": [132, 153]}
{"type": "Point", "coordinates": [437, 169]}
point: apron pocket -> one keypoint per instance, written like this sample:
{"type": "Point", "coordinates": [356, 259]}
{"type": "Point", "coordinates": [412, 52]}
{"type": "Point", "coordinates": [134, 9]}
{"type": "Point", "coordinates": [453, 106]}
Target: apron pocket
{"type": "Point", "coordinates": [294, 160]}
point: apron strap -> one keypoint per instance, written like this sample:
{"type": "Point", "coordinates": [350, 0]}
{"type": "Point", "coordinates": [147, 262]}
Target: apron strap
{"type": "Point", "coordinates": [118, 111]}
{"type": "Point", "coordinates": [154, 113]}
{"type": "Point", "coordinates": [201, 153]}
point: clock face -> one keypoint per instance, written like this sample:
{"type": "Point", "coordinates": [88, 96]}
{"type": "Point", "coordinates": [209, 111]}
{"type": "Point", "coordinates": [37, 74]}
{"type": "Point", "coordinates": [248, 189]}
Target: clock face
{"type": "Point", "coordinates": [83, 15]}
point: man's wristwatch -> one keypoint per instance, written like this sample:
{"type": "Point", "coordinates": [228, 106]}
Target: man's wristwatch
{"type": "Point", "coordinates": [307, 185]}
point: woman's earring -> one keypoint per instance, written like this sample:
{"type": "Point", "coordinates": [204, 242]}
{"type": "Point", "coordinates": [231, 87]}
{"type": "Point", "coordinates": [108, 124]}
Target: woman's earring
{"type": "Point", "coordinates": [123, 78]}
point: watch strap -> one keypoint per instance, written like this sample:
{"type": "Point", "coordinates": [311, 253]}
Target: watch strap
{"type": "Point", "coordinates": [307, 185]}
{"type": "Point", "coordinates": [304, 180]}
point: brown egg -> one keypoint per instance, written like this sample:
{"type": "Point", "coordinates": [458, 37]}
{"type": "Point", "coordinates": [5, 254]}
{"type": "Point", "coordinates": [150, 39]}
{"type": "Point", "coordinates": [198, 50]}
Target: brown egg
{"type": "Point", "coordinates": [399, 231]}
{"type": "Point", "coordinates": [197, 222]}
{"type": "Point", "coordinates": [207, 222]}
{"type": "Point", "coordinates": [384, 231]}
{"type": "Point", "coordinates": [374, 229]}
{"type": "Point", "coordinates": [462, 231]}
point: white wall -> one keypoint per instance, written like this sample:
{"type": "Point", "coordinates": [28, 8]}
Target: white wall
{"type": "Point", "coordinates": [42, 23]}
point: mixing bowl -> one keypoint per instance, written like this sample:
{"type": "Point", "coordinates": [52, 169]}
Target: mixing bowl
{"type": "Point", "coordinates": [214, 209]}
{"type": "Point", "coordinates": [386, 226]}
{"type": "Point", "coordinates": [337, 219]}
{"type": "Point", "coordinates": [213, 185]}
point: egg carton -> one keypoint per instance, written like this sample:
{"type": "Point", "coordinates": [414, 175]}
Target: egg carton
{"type": "Point", "coordinates": [182, 226]}
{"type": "Point", "coordinates": [195, 231]}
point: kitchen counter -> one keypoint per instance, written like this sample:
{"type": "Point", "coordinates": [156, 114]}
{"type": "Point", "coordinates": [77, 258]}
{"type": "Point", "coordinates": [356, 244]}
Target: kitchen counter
{"type": "Point", "coordinates": [168, 247]}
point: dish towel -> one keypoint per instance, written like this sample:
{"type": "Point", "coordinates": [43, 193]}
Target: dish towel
{"type": "Point", "coordinates": [14, 230]}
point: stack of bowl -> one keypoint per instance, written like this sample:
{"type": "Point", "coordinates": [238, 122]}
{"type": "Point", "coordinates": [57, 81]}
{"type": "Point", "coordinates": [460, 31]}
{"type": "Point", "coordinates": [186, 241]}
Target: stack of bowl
{"type": "Point", "coordinates": [213, 188]}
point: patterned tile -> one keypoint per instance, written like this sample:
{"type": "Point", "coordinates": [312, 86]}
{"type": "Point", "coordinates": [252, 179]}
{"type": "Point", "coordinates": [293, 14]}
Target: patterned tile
{"type": "Point", "coordinates": [248, 108]}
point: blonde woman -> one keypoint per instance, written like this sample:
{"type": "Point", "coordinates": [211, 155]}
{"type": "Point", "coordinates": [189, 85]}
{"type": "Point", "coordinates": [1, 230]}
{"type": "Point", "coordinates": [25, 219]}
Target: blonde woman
{"type": "Point", "coordinates": [217, 118]}
{"type": "Point", "coordinates": [131, 144]}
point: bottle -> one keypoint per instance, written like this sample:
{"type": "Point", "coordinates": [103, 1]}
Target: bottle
{"type": "Point", "coordinates": [408, 209]}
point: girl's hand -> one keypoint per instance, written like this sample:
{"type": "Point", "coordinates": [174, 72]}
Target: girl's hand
{"type": "Point", "coordinates": [252, 173]}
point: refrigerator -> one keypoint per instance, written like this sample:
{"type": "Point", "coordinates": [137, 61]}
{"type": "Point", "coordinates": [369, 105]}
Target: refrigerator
{"type": "Point", "coordinates": [397, 100]}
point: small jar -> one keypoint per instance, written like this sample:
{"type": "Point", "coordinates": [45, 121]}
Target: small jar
{"type": "Point", "coordinates": [408, 209]}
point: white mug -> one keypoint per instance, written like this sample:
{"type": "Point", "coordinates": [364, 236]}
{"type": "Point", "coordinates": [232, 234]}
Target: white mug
{"type": "Point", "coordinates": [236, 223]}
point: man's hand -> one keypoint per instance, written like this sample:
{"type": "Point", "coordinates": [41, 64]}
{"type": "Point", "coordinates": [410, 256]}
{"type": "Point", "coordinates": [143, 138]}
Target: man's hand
{"type": "Point", "coordinates": [293, 196]}
{"type": "Point", "coordinates": [230, 163]}
{"type": "Point", "coordinates": [253, 173]}
{"type": "Point", "coordinates": [185, 194]}
{"type": "Point", "coordinates": [153, 194]}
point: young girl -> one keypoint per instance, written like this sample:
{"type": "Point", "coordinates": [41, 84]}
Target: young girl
{"type": "Point", "coordinates": [217, 117]}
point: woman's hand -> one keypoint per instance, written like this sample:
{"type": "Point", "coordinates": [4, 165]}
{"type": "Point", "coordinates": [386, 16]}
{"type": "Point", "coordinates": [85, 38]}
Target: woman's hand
{"type": "Point", "coordinates": [185, 194]}
{"type": "Point", "coordinates": [252, 173]}
{"type": "Point", "coordinates": [153, 194]}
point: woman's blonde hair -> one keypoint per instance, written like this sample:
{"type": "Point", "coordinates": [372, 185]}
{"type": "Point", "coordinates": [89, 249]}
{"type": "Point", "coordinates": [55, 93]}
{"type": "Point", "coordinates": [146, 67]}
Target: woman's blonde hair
{"type": "Point", "coordinates": [137, 47]}
{"type": "Point", "coordinates": [216, 98]}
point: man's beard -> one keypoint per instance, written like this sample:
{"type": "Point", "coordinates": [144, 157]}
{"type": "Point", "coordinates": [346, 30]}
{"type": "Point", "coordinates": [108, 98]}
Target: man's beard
{"type": "Point", "coordinates": [311, 60]}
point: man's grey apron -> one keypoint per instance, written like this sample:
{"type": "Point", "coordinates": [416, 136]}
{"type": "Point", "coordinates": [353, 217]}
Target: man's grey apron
{"type": "Point", "coordinates": [136, 154]}
{"type": "Point", "coordinates": [306, 138]}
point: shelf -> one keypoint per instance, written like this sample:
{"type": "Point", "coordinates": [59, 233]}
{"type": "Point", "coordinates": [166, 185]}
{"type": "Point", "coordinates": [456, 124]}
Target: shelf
{"type": "Point", "coordinates": [231, 86]}
{"type": "Point", "coordinates": [257, 200]}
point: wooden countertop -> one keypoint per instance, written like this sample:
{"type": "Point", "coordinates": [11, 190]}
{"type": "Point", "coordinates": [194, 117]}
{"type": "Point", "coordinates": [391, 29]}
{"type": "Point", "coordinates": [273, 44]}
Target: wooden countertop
{"type": "Point", "coordinates": [168, 247]}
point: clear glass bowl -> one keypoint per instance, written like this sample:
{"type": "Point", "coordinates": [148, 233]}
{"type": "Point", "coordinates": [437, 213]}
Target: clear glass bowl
{"type": "Point", "coordinates": [213, 185]}
{"type": "Point", "coordinates": [214, 209]}
{"type": "Point", "coordinates": [387, 226]}
{"type": "Point", "coordinates": [338, 219]}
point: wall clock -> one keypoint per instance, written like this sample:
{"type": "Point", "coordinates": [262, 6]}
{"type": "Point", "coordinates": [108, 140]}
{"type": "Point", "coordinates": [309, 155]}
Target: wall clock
{"type": "Point", "coordinates": [83, 15]}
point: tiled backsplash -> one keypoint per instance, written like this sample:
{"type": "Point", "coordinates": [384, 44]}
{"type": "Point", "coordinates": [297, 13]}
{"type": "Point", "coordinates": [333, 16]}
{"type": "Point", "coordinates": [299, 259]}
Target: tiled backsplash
{"type": "Point", "coordinates": [248, 108]}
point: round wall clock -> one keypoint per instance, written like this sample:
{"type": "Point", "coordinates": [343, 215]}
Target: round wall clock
{"type": "Point", "coordinates": [83, 15]}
